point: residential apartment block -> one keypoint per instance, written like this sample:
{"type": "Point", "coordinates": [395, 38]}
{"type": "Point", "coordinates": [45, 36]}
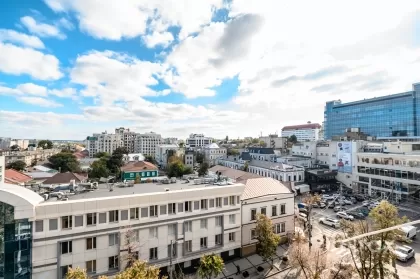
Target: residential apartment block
{"type": "Point", "coordinates": [304, 132]}
{"type": "Point", "coordinates": [5, 143]}
{"type": "Point", "coordinates": [103, 142]}
{"type": "Point", "coordinates": [146, 143]}
{"type": "Point", "coordinates": [127, 137]}
{"type": "Point", "coordinates": [197, 140]}
{"type": "Point", "coordinates": [275, 142]}
{"type": "Point", "coordinates": [29, 156]}
{"type": "Point", "coordinates": [212, 152]}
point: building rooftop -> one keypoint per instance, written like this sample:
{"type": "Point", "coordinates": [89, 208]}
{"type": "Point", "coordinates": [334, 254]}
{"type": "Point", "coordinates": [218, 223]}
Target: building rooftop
{"type": "Point", "coordinates": [212, 146]}
{"type": "Point", "coordinates": [40, 174]}
{"type": "Point", "coordinates": [65, 177]}
{"type": "Point", "coordinates": [303, 126]}
{"type": "Point", "coordinates": [272, 165]}
{"type": "Point", "coordinates": [238, 175]}
{"type": "Point", "coordinates": [261, 150]}
{"type": "Point", "coordinates": [260, 187]}
{"type": "Point", "coordinates": [14, 177]}
{"type": "Point", "coordinates": [44, 169]}
{"type": "Point", "coordinates": [138, 166]}
{"type": "Point", "coordinates": [138, 189]}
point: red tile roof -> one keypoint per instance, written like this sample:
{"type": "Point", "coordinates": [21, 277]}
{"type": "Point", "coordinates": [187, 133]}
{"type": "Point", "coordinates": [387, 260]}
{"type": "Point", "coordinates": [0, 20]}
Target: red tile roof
{"type": "Point", "coordinates": [138, 166]}
{"type": "Point", "coordinates": [303, 126]}
{"type": "Point", "coordinates": [14, 177]}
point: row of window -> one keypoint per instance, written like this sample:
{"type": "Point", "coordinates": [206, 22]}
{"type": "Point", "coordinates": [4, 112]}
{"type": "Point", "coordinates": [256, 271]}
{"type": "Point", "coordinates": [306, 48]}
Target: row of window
{"type": "Point", "coordinates": [277, 228]}
{"type": "Point", "coordinates": [136, 213]}
{"type": "Point", "coordinates": [274, 211]}
{"type": "Point", "coordinates": [113, 264]}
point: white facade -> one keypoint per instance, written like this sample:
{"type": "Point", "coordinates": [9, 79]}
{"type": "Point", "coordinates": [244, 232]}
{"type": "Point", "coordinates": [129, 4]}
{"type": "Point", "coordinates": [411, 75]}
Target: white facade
{"type": "Point", "coordinates": [2, 168]}
{"type": "Point", "coordinates": [164, 151]}
{"type": "Point", "coordinates": [127, 137]}
{"type": "Point", "coordinates": [274, 141]}
{"type": "Point", "coordinates": [29, 156]}
{"type": "Point", "coordinates": [305, 132]}
{"type": "Point", "coordinates": [265, 194]}
{"type": "Point", "coordinates": [212, 152]}
{"type": "Point", "coordinates": [147, 143]}
{"type": "Point", "coordinates": [189, 160]}
{"type": "Point", "coordinates": [103, 142]}
{"type": "Point", "coordinates": [5, 143]}
{"type": "Point", "coordinates": [198, 140]}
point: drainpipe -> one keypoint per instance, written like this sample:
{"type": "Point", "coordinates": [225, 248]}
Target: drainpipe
{"type": "Point", "coordinates": [241, 226]}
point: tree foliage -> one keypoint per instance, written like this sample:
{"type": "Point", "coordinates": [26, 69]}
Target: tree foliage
{"type": "Point", "coordinates": [15, 147]}
{"type": "Point", "coordinates": [150, 159]}
{"type": "Point", "coordinates": [293, 139]}
{"type": "Point", "coordinates": [199, 157]}
{"type": "Point", "coordinates": [177, 169]}
{"type": "Point", "coordinates": [76, 273]}
{"type": "Point", "coordinates": [210, 266]}
{"type": "Point", "coordinates": [263, 144]}
{"type": "Point", "coordinates": [115, 162]}
{"type": "Point", "coordinates": [203, 170]}
{"type": "Point", "coordinates": [17, 165]}
{"type": "Point", "coordinates": [372, 255]}
{"type": "Point", "coordinates": [45, 144]}
{"type": "Point", "coordinates": [102, 155]}
{"type": "Point", "coordinates": [64, 161]}
{"type": "Point", "coordinates": [232, 152]}
{"type": "Point", "coordinates": [99, 169]}
{"type": "Point", "coordinates": [267, 239]}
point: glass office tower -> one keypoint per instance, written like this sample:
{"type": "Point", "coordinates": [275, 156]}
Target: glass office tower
{"type": "Point", "coordinates": [396, 115]}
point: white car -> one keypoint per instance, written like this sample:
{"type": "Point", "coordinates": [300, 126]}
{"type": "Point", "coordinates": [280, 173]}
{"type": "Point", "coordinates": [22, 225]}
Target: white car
{"type": "Point", "coordinates": [344, 215]}
{"type": "Point", "coordinates": [347, 202]}
{"type": "Point", "coordinates": [330, 222]}
{"type": "Point", "coordinates": [403, 253]}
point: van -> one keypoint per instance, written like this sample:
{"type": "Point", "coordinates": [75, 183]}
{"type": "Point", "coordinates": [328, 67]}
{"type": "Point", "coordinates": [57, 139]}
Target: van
{"type": "Point", "coordinates": [410, 232]}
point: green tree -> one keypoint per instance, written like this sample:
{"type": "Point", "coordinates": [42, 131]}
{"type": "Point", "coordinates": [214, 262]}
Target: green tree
{"type": "Point", "coordinates": [263, 144]}
{"type": "Point", "coordinates": [246, 166]}
{"type": "Point", "coordinates": [140, 270]}
{"type": "Point", "coordinates": [34, 162]}
{"type": "Point", "coordinates": [210, 266]}
{"type": "Point", "coordinates": [101, 155]}
{"type": "Point", "coordinates": [150, 159]}
{"type": "Point", "coordinates": [76, 273]}
{"type": "Point", "coordinates": [17, 165]}
{"type": "Point", "coordinates": [255, 141]}
{"type": "Point", "coordinates": [188, 170]}
{"type": "Point", "coordinates": [181, 144]}
{"type": "Point", "coordinates": [293, 139]}
{"type": "Point", "coordinates": [45, 144]}
{"type": "Point", "coordinates": [99, 169]}
{"type": "Point", "coordinates": [203, 170]}
{"type": "Point", "coordinates": [64, 162]}
{"type": "Point", "coordinates": [227, 139]}
{"type": "Point", "coordinates": [115, 161]}
{"type": "Point", "coordinates": [176, 169]}
{"type": "Point", "coordinates": [137, 180]}
{"type": "Point", "coordinates": [267, 239]}
{"type": "Point", "coordinates": [232, 152]}
{"type": "Point", "coordinates": [15, 147]}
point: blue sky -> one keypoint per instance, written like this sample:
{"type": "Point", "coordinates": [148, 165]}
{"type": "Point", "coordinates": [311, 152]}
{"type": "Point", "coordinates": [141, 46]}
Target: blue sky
{"type": "Point", "coordinates": [69, 68]}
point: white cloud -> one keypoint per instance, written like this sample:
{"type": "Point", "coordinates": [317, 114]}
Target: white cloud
{"type": "Point", "coordinates": [41, 29]}
{"type": "Point", "coordinates": [7, 35]}
{"type": "Point", "coordinates": [112, 76]}
{"type": "Point", "coordinates": [129, 19]}
{"type": "Point", "coordinates": [63, 93]}
{"type": "Point", "coordinates": [32, 89]}
{"type": "Point", "coordinates": [38, 101]}
{"type": "Point", "coordinates": [17, 61]}
{"type": "Point", "coordinates": [158, 39]}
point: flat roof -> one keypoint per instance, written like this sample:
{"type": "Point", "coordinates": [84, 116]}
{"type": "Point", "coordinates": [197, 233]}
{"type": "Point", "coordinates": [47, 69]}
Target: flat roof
{"type": "Point", "coordinates": [137, 189]}
{"type": "Point", "coordinates": [375, 99]}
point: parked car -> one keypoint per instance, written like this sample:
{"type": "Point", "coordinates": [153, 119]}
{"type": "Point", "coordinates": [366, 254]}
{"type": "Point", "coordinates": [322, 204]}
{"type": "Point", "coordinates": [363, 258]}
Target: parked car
{"type": "Point", "coordinates": [344, 215]}
{"type": "Point", "coordinates": [330, 222]}
{"type": "Point", "coordinates": [347, 202]}
{"type": "Point", "coordinates": [373, 205]}
{"type": "Point", "coordinates": [331, 205]}
{"type": "Point", "coordinates": [357, 215]}
{"type": "Point", "coordinates": [403, 253]}
{"type": "Point", "coordinates": [366, 203]}
{"type": "Point", "coordinates": [339, 208]}
{"type": "Point", "coordinates": [360, 197]}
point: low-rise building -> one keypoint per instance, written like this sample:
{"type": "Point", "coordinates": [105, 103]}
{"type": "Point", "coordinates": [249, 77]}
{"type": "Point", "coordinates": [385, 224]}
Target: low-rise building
{"type": "Point", "coordinates": [166, 151]}
{"type": "Point", "coordinates": [271, 198]}
{"type": "Point", "coordinates": [65, 178]}
{"type": "Point", "coordinates": [275, 142]}
{"type": "Point", "coordinates": [212, 152]}
{"type": "Point", "coordinates": [142, 169]}
{"type": "Point", "coordinates": [12, 176]}
{"type": "Point", "coordinates": [197, 140]}
{"type": "Point", "coordinates": [304, 132]}
{"type": "Point", "coordinates": [189, 159]}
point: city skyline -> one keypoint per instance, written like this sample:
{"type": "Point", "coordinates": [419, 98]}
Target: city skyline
{"type": "Point", "coordinates": [69, 69]}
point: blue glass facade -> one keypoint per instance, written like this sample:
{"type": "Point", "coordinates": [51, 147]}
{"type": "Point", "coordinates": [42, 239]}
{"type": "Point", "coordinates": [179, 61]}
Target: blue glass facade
{"type": "Point", "coordinates": [15, 245]}
{"type": "Point", "coordinates": [395, 115]}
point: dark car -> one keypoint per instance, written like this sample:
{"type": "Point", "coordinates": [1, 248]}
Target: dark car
{"type": "Point", "coordinates": [359, 198]}
{"type": "Point", "coordinates": [357, 215]}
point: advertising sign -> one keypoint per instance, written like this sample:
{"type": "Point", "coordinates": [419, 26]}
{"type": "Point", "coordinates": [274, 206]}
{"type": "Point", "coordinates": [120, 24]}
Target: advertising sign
{"type": "Point", "coordinates": [344, 163]}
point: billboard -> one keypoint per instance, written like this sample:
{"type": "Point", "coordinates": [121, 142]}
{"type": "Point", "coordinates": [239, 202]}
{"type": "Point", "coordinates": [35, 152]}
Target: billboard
{"type": "Point", "coordinates": [344, 163]}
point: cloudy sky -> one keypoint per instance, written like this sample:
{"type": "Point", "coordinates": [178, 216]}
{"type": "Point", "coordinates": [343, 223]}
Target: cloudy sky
{"type": "Point", "coordinates": [69, 68]}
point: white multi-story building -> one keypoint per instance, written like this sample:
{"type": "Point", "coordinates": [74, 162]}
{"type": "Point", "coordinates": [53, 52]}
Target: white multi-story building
{"type": "Point", "coordinates": [127, 137]}
{"type": "Point", "coordinates": [189, 159]}
{"type": "Point", "coordinates": [275, 142]}
{"type": "Point", "coordinates": [165, 151]}
{"type": "Point", "coordinates": [271, 198]}
{"type": "Point", "coordinates": [165, 223]}
{"type": "Point", "coordinates": [22, 143]}
{"type": "Point", "coordinates": [305, 132]}
{"type": "Point", "coordinates": [212, 152]}
{"type": "Point", "coordinates": [103, 142]}
{"type": "Point", "coordinates": [5, 143]}
{"type": "Point", "coordinates": [146, 143]}
{"type": "Point", "coordinates": [198, 140]}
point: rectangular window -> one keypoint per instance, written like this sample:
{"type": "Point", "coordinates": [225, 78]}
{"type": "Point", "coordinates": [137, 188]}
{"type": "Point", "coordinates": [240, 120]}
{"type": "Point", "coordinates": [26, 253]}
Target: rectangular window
{"type": "Point", "coordinates": [188, 245]}
{"type": "Point", "coordinates": [282, 209]}
{"type": "Point", "coordinates": [219, 221]}
{"type": "Point", "coordinates": [218, 202]}
{"type": "Point", "coordinates": [64, 270]}
{"type": "Point", "coordinates": [172, 250]}
{"type": "Point", "coordinates": [90, 219]}
{"type": "Point", "coordinates": [203, 242]}
{"type": "Point", "coordinates": [253, 234]}
{"type": "Point", "coordinates": [39, 226]}
{"type": "Point", "coordinates": [211, 203]}
{"type": "Point", "coordinates": [134, 213]}
{"type": "Point", "coordinates": [153, 211]}
{"type": "Point", "coordinates": [66, 247]}
{"type": "Point", "coordinates": [91, 266]}
{"type": "Point", "coordinates": [124, 215]}
{"type": "Point", "coordinates": [180, 207]}
{"type": "Point", "coordinates": [102, 218]}
{"type": "Point", "coordinates": [203, 223]}
{"type": "Point", "coordinates": [113, 216]}
{"type": "Point", "coordinates": [231, 237]}
{"type": "Point", "coordinates": [153, 232]}
{"type": "Point", "coordinates": [232, 219]}
{"type": "Point", "coordinates": [66, 222]}
{"type": "Point", "coordinates": [225, 201]}
{"type": "Point", "coordinates": [153, 253]}
{"type": "Point", "coordinates": [232, 200]}
{"type": "Point", "coordinates": [196, 205]}
{"type": "Point", "coordinates": [113, 239]}
{"type": "Point", "coordinates": [188, 206]}
{"type": "Point", "coordinates": [53, 223]}
{"type": "Point", "coordinates": [274, 210]}
{"type": "Point", "coordinates": [218, 239]}
{"type": "Point", "coordinates": [171, 208]}
{"type": "Point", "coordinates": [253, 214]}
{"type": "Point", "coordinates": [162, 209]}
{"type": "Point", "coordinates": [90, 243]}
{"type": "Point", "coordinates": [264, 210]}
{"type": "Point", "coordinates": [172, 229]}
{"type": "Point", "coordinates": [113, 262]}
{"type": "Point", "coordinates": [203, 204]}
{"type": "Point", "coordinates": [282, 227]}
{"type": "Point", "coordinates": [144, 212]}
{"type": "Point", "coordinates": [188, 226]}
